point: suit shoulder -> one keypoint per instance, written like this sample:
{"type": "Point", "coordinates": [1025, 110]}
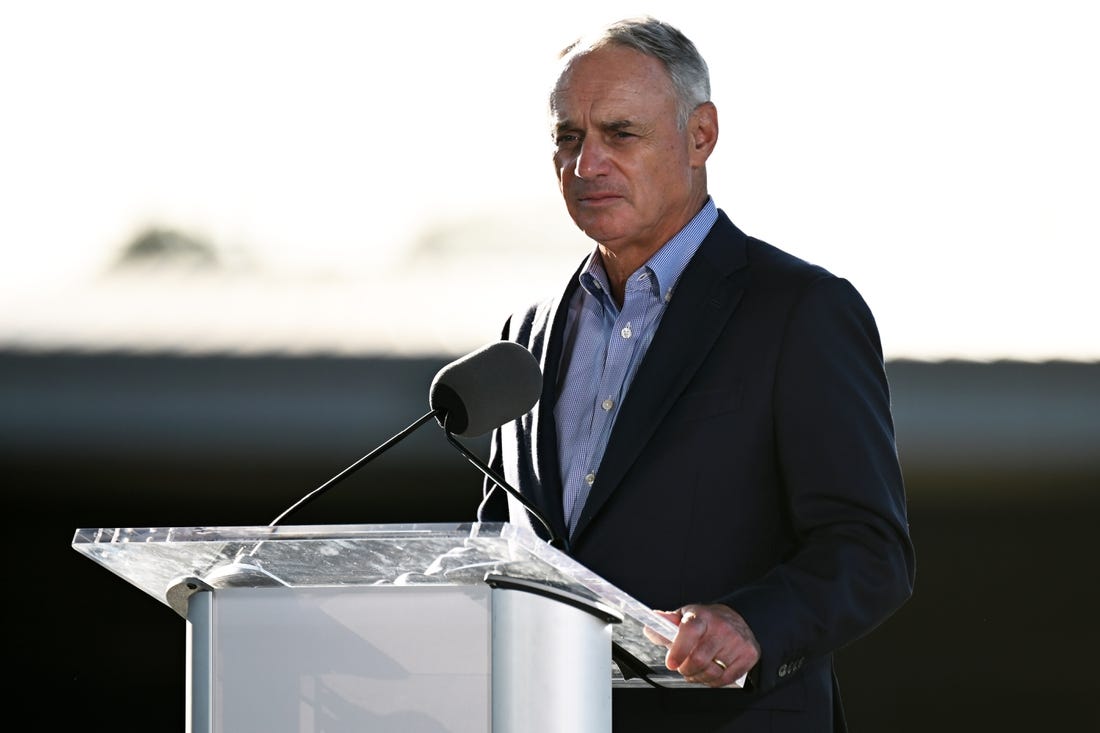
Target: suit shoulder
{"type": "Point", "coordinates": [531, 324]}
{"type": "Point", "coordinates": [781, 264]}
{"type": "Point", "coordinates": [776, 275]}
{"type": "Point", "coordinates": [528, 319]}
{"type": "Point", "coordinates": [763, 258]}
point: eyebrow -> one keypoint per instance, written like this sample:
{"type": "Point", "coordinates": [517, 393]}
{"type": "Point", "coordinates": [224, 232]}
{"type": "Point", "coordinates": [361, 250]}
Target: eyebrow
{"type": "Point", "coordinates": [618, 125]}
{"type": "Point", "coordinates": [613, 126]}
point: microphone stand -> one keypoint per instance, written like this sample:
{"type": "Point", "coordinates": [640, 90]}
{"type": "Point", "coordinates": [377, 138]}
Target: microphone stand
{"type": "Point", "coordinates": [354, 467]}
{"type": "Point", "coordinates": [440, 414]}
{"type": "Point", "coordinates": [555, 540]}
{"type": "Point", "coordinates": [242, 553]}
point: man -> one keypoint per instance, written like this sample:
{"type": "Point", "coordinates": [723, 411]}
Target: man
{"type": "Point", "coordinates": [714, 433]}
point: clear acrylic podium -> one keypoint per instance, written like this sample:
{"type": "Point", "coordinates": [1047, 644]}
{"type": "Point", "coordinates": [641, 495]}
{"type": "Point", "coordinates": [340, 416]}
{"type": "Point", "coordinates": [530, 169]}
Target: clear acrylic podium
{"type": "Point", "coordinates": [418, 628]}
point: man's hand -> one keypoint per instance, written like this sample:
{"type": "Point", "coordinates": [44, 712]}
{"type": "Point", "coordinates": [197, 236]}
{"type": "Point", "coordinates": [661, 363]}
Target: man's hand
{"type": "Point", "coordinates": [713, 645]}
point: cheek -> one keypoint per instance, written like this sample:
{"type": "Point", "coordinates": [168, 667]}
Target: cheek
{"type": "Point", "coordinates": [564, 171]}
{"type": "Point", "coordinates": [673, 170]}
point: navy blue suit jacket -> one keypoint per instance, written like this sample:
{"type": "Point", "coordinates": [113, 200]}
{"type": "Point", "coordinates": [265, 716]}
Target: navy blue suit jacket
{"type": "Point", "coordinates": [753, 463]}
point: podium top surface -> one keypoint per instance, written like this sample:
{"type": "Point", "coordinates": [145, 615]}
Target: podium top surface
{"type": "Point", "coordinates": [156, 560]}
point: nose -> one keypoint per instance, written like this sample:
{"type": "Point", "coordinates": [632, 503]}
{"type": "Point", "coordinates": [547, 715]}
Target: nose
{"type": "Point", "coordinates": [592, 159]}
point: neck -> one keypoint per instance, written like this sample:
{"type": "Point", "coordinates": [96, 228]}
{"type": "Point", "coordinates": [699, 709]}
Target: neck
{"type": "Point", "coordinates": [621, 260]}
{"type": "Point", "coordinates": [619, 266]}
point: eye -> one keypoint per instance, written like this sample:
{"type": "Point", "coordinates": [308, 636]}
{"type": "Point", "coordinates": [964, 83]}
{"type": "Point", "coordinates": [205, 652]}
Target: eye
{"type": "Point", "coordinates": [566, 139]}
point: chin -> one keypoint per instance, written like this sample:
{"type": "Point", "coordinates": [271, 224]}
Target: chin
{"type": "Point", "coordinates": [598, 228]}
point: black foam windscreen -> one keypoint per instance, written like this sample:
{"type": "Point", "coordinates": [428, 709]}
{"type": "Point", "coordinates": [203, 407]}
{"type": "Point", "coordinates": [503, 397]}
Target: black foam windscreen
{"type": "Point", "coordinates": [486, 388]}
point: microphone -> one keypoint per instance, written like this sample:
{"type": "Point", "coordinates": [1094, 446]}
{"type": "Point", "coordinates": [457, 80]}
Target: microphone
{"type": "Point", "coordinates": [485, 389]}
{"type": "Point", "coordinates": [469, 397]}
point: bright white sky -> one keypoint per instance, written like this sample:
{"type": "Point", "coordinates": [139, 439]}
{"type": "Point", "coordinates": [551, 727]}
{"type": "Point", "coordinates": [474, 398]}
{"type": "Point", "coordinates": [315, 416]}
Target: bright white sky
{"type": "Point", "coordinates": [943, 155]}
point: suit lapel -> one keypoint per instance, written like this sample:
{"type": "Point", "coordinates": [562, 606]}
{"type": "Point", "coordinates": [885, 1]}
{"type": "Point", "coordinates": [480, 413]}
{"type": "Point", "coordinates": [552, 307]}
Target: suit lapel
{"type": "Point", "coordinates": [546, 435]}
{"type": "Point", "coordinates": [702, 303]}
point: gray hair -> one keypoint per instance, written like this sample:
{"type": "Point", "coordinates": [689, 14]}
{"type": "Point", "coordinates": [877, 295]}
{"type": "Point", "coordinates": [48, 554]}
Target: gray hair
{"type": "Point", "coordinates": [683, 62]}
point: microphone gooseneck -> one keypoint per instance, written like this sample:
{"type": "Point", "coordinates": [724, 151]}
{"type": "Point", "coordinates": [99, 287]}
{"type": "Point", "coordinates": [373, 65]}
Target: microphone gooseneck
{"type": "Point", "coordinates": [353, 467]}
{"type": "Point", "coordinates": [555, 540]}
{"type": "Point", "coordinates": [469, 397]}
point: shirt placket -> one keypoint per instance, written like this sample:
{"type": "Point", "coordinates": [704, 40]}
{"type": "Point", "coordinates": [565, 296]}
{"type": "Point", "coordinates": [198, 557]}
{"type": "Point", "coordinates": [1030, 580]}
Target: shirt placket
{"type": "Point", "coordinates": [622, 341]}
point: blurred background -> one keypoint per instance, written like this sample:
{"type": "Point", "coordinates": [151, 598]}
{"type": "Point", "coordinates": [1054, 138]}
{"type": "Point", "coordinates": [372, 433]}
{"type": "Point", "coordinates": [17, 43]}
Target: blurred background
{"type": "Point", "coordinates": [238, 239]}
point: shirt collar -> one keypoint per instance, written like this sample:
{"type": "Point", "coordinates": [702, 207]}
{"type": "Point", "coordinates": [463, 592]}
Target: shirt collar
{"type": "Point", "coordinates": [666, 264]}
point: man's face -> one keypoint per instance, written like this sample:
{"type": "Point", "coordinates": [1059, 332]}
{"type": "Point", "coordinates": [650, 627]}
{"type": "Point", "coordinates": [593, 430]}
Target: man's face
{"type": "Point", "coordinates": [629, 177]}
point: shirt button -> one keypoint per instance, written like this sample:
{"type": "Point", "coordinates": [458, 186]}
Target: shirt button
{"type": "Point", "coordinates": [607, 404]}
{"type": "Point", "coordinates": [626, 332]}
{"type": "Point", "coordinates": [590, 479]}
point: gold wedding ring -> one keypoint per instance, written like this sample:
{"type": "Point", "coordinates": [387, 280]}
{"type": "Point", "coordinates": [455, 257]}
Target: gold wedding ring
{"type": "Point", "coordinates": [720, 663]}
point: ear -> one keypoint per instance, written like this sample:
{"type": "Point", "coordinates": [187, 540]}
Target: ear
{"type": "Point", "coordinates": [703, 132]}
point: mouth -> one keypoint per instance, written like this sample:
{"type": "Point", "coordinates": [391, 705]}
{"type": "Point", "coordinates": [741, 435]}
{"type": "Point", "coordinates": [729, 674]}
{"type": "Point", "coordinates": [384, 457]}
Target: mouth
{"type": "Point", "coordinates": [598, 198]}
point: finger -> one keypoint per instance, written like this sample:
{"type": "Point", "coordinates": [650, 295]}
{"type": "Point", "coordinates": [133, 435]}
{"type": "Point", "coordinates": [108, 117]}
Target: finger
{"type": "Point", "coordinates": [705, 663]}
{"type": "Point", "coordinates": [656, 638]}
{"type": "Point", "coordinates": [702, 637]}
{"type": "Point", "coordinates": [714, 673]}
{"type": "Point", "coordinates": [691, 632]}
{"type": "Point", "coordinates": [719, 655]}
{"type": "Point", "coordinates": [659, 638]}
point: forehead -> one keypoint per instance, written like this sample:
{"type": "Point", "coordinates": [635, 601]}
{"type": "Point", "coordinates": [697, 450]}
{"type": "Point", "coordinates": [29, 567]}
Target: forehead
{"type": "Point", "coordinates": [611, 82]}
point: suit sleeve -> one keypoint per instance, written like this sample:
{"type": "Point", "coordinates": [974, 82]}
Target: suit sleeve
{"type": "Point", "coordinates": [853, 562]}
